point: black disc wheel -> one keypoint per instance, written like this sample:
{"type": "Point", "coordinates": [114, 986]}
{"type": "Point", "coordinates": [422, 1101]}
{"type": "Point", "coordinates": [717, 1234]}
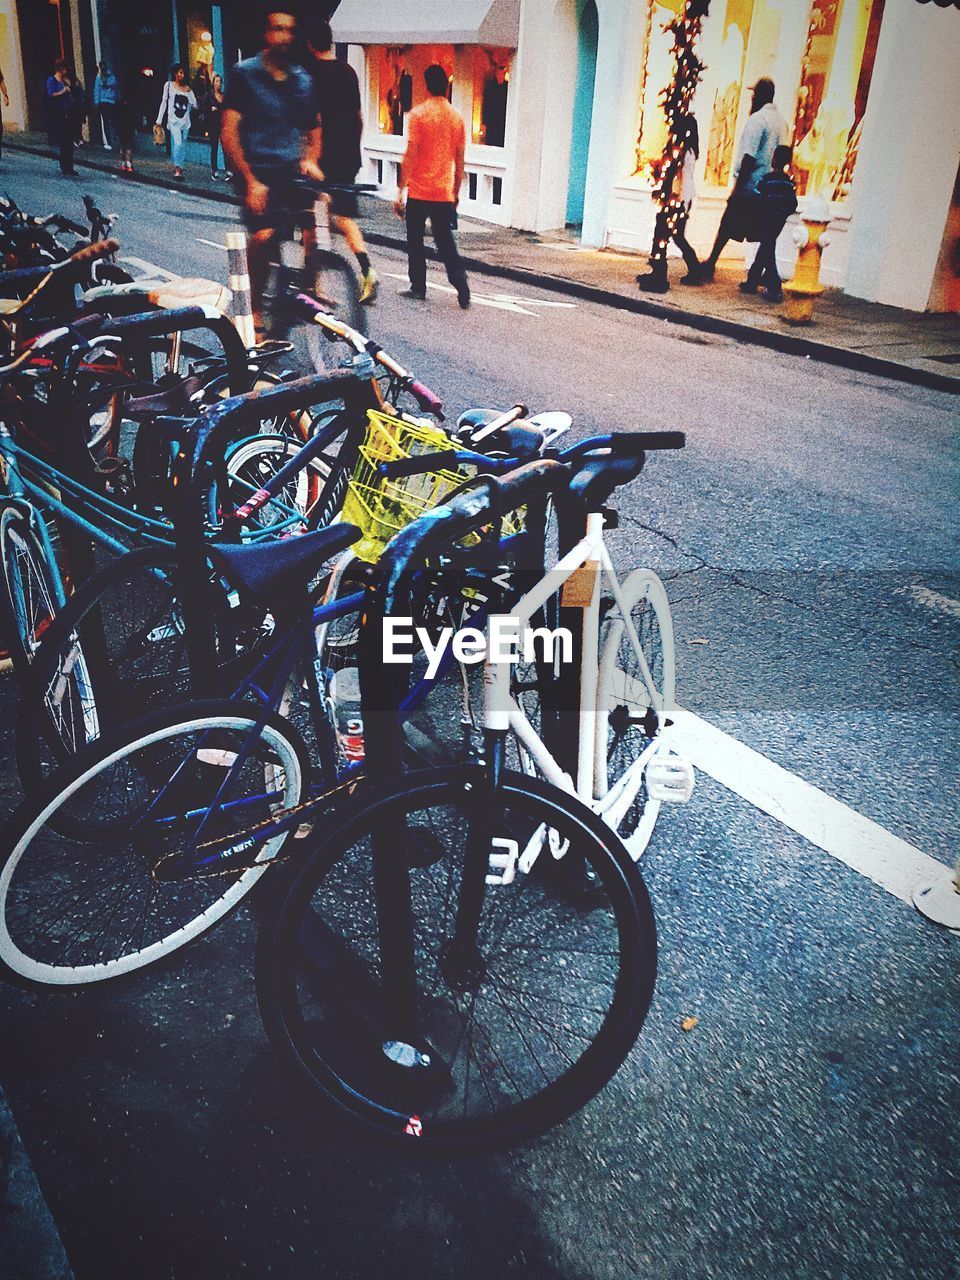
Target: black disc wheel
{"type": "Point", "coordinates": [516, 1029]}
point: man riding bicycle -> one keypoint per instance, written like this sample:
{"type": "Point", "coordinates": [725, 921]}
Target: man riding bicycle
{"type": "Point", "coordinates": [271, 137]}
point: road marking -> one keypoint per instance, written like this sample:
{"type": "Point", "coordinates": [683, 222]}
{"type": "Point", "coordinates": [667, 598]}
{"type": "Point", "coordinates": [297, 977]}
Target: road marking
{"type": "Point", "coordinates": [832, 826]}
{"type": "Point", "coordinates": [212, 243]}
{"type": "Point", "coordinates": [931, 600]}
{"type": "Point", "coordinates": [499, 301]}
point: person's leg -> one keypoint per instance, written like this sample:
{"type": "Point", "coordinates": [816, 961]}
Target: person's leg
{"type": "Point", "coordinates": [709, 263]}
{"type": "Point", "coordinates": [416, 257]}
{"type": "Point", "coordinates": [65, 137]}
{"type": "Point", "coordinates": [215, 147]}
{"type": "Point", "coordinates": [655, 280]}
{"type": "Point", "coordinates": [259, 243]}
{"type": "Point", "coordinates": [177, 147]}
{"type": "Point", "coordinates": [767, 256]}
{"type": "Point", "coordinates": [691, 261]}
{"type": "Point", "coordinates": [441, 224]}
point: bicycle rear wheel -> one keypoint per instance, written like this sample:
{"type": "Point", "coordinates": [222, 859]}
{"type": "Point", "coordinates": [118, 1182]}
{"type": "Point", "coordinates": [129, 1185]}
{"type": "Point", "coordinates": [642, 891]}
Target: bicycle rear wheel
{"type": "Point", "coordinates": [535, 1027]}
{"type": "Point", "coordinates": [86, 906]}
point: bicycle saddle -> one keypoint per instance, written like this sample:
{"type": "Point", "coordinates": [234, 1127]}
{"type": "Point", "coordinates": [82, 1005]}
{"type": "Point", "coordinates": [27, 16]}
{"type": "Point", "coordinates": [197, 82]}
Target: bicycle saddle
{"type": "Point", "coordinates": [519, 440]}
{"type": "Point", "coordinates": [191, 292]}
{"type": "Point", "coordinates": [597, 478]}
{"type": "Point", "coordinates": [174, 400]}
{"type": "Point", "coordinates": [278, 571]}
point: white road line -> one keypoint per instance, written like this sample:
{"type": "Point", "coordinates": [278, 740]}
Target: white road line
{"type": "Point", "coordinates": [499, 301]}
{"type": "Point", "coordinates": [832, 826]}
{"type": "Point", "coordinates": [212, 243]}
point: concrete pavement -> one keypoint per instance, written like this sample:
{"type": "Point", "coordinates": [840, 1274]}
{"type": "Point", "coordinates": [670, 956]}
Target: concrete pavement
{"type": "Point", "coordinates": [30, 1245]}
{"type": "Point", "coordinates": [923, 349]}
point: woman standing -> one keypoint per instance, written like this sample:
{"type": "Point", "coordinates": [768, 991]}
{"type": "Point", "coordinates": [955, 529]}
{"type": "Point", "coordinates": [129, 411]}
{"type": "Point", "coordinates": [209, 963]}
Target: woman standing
{"type": "Point", "coordinates": [214, 124]}
{"type": "Point", "coordinates": [62, 114]}
{"type": "Point", "coordinates": [176, 107]}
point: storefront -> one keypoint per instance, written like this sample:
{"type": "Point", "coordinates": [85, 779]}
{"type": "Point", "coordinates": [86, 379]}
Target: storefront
{"type": "Point", "coordinates": [392, 42]}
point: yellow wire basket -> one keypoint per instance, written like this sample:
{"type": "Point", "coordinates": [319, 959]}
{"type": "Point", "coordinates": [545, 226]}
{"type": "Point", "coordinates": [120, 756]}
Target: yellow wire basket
{"type": "Point", "coordinates": [380, 506]}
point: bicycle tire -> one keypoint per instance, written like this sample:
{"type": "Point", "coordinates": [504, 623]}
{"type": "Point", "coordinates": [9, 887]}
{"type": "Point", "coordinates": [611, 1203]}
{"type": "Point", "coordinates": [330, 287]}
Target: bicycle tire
{"type": "Point", "coordinates": [628, 723]}
{"type": "Point", "coordinates": [339, 294]}
{"type": "Point", "coordinates": [61, 896]}
{"type": "Point", "coordinates": [251, 463]}
{"type": "Point", "coordinates": [318, 980]}
{"type": "Point", "coordinates": [30, 595]}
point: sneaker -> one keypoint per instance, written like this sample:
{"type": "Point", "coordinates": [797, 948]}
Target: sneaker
{"type": "Point", "coordinates": [214, 176]}
{"type": "Point", "coordinates": [412, 293]}
{"type": "Point", "coordinates": [747, 286]}
{"type": "Point", "coordinates": [369, 288]}
{"type": "Point", "coordinates": [463, 294]}
{"type": "Point", "coordinates": [774, 295]}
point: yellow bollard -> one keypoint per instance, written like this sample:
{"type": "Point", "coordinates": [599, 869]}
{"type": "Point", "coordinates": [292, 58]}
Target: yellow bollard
{"type": "Point", "coordinates": [811, 241]}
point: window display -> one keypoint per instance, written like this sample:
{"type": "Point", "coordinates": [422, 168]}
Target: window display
{"type": "Point", "coordinates": [835, 82]}
{"type": "Point", "coordinates": [726, 103]}
{"type": "Point", "coordinates": [491, 82]}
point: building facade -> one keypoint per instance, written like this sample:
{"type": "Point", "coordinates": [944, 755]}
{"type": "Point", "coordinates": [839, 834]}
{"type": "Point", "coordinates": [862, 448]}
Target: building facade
{"type": "Point", "coordinates": [562, 103]}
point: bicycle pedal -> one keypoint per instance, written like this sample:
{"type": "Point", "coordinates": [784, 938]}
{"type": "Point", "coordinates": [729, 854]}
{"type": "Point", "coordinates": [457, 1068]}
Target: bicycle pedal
{"type": "Point", "coordinates": [670, 779]}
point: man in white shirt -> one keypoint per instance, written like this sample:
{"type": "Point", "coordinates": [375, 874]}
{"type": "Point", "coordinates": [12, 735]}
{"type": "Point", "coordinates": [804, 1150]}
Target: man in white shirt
{"type": "Point", "coordinates": [765, 130]}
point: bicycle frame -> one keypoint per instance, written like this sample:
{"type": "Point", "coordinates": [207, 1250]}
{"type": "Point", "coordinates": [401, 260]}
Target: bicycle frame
{"type": "Point", "coordinates": [502, 713]}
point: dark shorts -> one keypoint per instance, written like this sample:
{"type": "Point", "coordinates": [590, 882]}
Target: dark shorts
{"type": "Point", "coordinates": [286, 201]}
{"type": "Point", "coordinates": [343, 204]}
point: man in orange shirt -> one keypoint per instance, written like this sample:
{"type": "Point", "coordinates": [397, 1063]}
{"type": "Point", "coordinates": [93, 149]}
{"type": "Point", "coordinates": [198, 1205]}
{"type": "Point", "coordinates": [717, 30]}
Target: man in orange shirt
{"type": "Point", "coordinates": [431, 174]}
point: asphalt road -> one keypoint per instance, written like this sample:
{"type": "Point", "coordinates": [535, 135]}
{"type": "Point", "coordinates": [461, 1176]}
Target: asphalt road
{"type": "Point", "coordinates": [807, 1126]}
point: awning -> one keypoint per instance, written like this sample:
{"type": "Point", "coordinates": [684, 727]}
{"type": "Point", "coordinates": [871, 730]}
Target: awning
{"type": "Point", "coordinates": [490, 22]}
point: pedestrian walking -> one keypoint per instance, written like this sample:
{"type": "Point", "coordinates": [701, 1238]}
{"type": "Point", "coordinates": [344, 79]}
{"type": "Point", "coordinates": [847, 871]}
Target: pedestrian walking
{"type": "Point", "coordinates": [125, 119]}
{"type": "Point", "coordinates": [214, 118]}
{"type": "Point", "coordinates": [62, 115]}
{"type": "Point", "coordinates": [777, 197]}
{"type": "Point", "coordinates": [270, 136]}
{"type": "Point", "coordinates": [6, 102]}
{"type": "Point", "coordinates": [337, 96]}
{"type": "Point", "coordinates": [105, 101]}
{"type": "Point", "coordinates": [176, 108]}
{"type": "Point", "coordinates": [671, 223]}
{"type": "Point", "coordinates": [762, 134]}
{"type": "Point", "coordinates": [431, 175]}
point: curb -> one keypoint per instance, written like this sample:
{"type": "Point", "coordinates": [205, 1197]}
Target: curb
{"type": "Point", "coordinates": [30, 1244]}
{"type": "Point", "coordinates": [785, 343]}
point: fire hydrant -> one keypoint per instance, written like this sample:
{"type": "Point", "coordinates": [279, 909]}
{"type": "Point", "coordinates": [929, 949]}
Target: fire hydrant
{"type": "Point", "coordinates": [811, 241]}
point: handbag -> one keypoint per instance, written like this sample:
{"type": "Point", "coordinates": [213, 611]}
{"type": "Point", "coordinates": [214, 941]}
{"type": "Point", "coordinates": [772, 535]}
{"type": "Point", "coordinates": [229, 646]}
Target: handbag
{"type": "Point", "coordinates": [159, 135]}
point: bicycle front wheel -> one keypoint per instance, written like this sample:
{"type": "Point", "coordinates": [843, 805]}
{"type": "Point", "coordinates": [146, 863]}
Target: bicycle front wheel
{"type": "Point", "coordinates": [82, 895]}
{"type": "Point", "coordinates": [338, 293]}
{"type": "Point", "coordinates": [635, 701]}
{"type": "Point", "coordinates": [520, 1039]}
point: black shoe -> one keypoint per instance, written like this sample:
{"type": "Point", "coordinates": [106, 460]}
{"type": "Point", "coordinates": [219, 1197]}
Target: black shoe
{"type": "Point", "coordinates": [463, 294]}
{"type": "Point", "coordinates": [693, 277]}
{"type": "Point", "coordinates": [774, 295]}
{"type": "Point", "coordinates": [653, 283]}
{"type": "Point", "coordinates": [412, 293]}
{"type": "Point", "coordinates": [747, 286]}
{"type": "Point", "coordinates": [706, 273]}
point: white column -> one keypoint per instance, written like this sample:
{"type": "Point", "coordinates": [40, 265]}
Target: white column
{"type": "Point", "coordinates": [540, 114]}
{"type": "Point", "coordinates": [614, 109]}
{"type": "Point", "coordinates": [908, 157]}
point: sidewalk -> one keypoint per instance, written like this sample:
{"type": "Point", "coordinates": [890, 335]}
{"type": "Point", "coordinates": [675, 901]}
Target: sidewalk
{"type": "Point", "coordinates": [923, 349]}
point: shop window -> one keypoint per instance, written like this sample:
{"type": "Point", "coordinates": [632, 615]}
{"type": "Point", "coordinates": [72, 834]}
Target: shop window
{"type": "Point", "coordinates": [834, 85]}
{"type": "Point", "coordinates": [400, 77]}
{"type": "Point", "coordinates": [197, 57]}
{"type": "Point", "coordinates": [657, 68]}
{"type": "Point", "coordinates": [396, 88]}
{"type": "Point", "coordinates": [726, 102]}
{"type": "Point", "coordinates": [491, 83]}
